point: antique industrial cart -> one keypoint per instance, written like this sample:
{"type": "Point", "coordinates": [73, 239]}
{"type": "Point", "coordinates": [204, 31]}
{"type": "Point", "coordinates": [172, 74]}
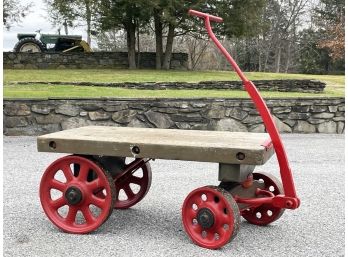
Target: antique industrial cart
{"type": "Point", "coordinates": [78, 192]}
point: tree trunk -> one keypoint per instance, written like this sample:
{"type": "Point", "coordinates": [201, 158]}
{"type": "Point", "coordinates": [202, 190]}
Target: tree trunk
{"type": "Point", "coordinates": [259, 52]}
{"type": "Point", "coordinates": [169, 47]}
{"type": "Point", "coordinates": [288, 57]}
{"type": "Point", "coordinates": [277, 61]}
{"type": "Point", "coordinates": [159, 38]}
{"type": "Point", "coordinates": [138, 45]}
{"type": "Point", "coordinates": [65, 24]}
{"type": "Point", "coordinates": [130, 29]}
{"type": "Point", "coordinates": [88, 20]}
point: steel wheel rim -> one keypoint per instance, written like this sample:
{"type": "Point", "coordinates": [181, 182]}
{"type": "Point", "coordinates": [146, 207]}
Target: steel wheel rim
{"type": "Point", "coordinates": [124, 184]}
{"type": "Point", "coordinates": [30, 47]}
{"type": "Point", "coordinates": [224, 227]}
{"type": "Point", "coordinates": [87, 188]}
{"type": "Point", "coordinates": [266, 213]}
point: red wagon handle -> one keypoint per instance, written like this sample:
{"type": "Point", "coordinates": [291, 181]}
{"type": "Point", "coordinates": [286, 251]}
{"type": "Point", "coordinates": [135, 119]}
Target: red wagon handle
{"type": "Point", "coordinates": [290, 199]}
{"type": "Point", "coordinates": [205, 15]}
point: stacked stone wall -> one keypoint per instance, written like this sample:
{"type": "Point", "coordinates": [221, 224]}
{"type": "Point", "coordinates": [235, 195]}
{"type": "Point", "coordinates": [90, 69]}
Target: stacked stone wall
{"type": "Point", "coordinates": [302, 115]}
{"type": "Point", "coordinates": [290, 85]}
{"type": "Point", "coordinates": [93, 60]}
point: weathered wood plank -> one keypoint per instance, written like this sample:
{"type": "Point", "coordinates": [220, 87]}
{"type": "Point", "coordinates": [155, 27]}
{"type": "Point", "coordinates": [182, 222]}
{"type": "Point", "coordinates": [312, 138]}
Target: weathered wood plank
{"type": "Point", "coordinates": [173, 144]}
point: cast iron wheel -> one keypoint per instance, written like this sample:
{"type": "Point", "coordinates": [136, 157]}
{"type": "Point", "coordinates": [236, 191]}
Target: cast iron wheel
{"type": "Point", "coordinates": [29, 45]}
{"type": "Point", "coordinates": [266, 213]}
{"type": "Point", "coordinates": [127, 195]}
{"type": "Point", "coordinates": [71, 201]}
{"type": "Point", "coordinates": [124, 183]}
{"type": "Point", "coordinates": [210, 217]}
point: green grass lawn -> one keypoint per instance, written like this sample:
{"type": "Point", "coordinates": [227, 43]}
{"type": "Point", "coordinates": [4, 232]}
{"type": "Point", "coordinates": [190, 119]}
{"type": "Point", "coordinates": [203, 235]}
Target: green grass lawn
{"type": "Point", "coordinates": [335, 84]}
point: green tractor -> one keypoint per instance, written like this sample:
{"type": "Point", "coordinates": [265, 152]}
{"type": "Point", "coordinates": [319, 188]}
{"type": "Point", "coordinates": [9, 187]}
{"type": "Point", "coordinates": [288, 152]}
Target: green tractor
{"type": "Point", "coordinates": [33, 43]}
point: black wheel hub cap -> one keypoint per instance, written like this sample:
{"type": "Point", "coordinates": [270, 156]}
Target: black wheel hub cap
{"type": "Point", "coordinates": [205, 218]}
{"type": "Point", "coordinates": [73, 195]}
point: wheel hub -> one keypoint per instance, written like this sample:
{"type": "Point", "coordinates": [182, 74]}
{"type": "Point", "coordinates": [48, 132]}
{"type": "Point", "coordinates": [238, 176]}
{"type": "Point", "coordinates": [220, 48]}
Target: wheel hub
{"type": "Point", "coordinates": [73, 195]}
{"type": "Point", "coordinates": [205, 218]}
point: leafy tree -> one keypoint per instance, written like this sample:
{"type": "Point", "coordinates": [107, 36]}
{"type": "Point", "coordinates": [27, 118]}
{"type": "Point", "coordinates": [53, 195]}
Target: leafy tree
{"type": "Point", "coordinates": [330, 16]}
{"type": "Point", "coordinates": [314, 59]}
{"type": "Point", "coordinates": [69, 12]}
{"type": "Point", "coordinates": [127, 15]}
{"type": "Point", "coordinates": [13, 12]}
{"type": "Point", "coordinates": [241, 18]}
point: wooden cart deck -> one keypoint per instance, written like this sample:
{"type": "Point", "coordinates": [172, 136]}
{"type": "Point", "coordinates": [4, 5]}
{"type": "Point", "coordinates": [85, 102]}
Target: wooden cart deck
{"type": "Point", "coordinates": [172, 144]}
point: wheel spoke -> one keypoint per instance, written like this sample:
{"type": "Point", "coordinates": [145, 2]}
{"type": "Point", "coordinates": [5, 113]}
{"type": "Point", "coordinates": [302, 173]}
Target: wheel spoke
{"type": "Point", "coordinates": [56, 204]}
{"type": "Point", "coordinates": [128, 191]}
{"type": "Point", "coordinates": [117, 194]}
{"type": "Point", "coordinates": [83, 172]}
{"type": "Point", "coordinates": [67, 172]}
{"type": "Point", "coordinates": [87, 214]}
{"type": "Point", "coordinates": [57, 185]}
{"type": "Point", "coordinates": [95, 184]}
{"type": "Point", "coordinates": [99, 202]}
{"type": "Point", "coordinates": [136, 180]}
{"type": "Point", "coordinates": [70, 218]}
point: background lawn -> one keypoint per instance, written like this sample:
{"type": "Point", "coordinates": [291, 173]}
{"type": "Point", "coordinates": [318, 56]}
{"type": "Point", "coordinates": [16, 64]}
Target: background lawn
{"type": "Point", "coordinates": [335, 83]}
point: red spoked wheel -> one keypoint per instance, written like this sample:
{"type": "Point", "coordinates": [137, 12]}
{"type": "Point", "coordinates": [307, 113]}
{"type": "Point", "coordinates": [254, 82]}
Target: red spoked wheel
{"type": "Point", "coordinates": [266, 213]}
{"type": "Point", "coordinates": [210, 217]}
{"type": "Point", "coordinates": [135, 185]}
{"type": "Point", "coordinates": [69, 194]}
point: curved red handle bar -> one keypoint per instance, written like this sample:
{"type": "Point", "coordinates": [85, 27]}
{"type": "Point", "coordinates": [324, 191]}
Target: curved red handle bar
{"type": "Point", "coordinates": [205, 15]}
{"type": "Point", "coordinates": [285, 171]}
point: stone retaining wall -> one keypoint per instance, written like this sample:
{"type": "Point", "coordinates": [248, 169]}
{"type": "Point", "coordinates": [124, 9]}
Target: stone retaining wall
{"type": "Point", "coordinates": [291, 85]}
{"type": "Point", "coordinates": [302, 115]}
{"type": "Point", "coordinates": [76, 60]}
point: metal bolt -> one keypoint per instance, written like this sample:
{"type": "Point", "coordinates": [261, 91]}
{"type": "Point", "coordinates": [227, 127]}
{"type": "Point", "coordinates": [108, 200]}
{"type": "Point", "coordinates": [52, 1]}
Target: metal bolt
{"type": "Point", "coordinates": [135, 149]}
{"type": "Point", "coordinates": [73, 195]}
{"type": "Point", "coordinates": [205, 218]}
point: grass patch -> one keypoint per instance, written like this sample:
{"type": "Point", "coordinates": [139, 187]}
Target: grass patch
{"type": "Point", "coordinates": [108, 75]}
{"type": "Point", "coordinates": [46, 91]}
{"type": "Point", "coordinates": [335, 83]}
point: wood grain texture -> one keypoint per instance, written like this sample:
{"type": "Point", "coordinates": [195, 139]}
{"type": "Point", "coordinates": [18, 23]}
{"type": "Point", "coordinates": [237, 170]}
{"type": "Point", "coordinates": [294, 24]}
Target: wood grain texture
{"type": "Point", "coordinates": [173, 144]}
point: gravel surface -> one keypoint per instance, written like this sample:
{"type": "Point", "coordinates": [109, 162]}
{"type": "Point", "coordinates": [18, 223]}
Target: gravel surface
{"type": "Point", "coordinates": [153, 227]}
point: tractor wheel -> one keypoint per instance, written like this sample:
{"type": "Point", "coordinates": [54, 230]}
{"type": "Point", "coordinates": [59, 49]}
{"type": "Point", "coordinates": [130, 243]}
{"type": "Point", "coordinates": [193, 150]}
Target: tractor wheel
{"type": "Point", "coordinates": [29, 45]}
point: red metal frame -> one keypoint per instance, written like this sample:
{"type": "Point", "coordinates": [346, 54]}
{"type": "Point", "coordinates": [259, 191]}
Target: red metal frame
{"type": "Point", "coordinates": [290, 199]}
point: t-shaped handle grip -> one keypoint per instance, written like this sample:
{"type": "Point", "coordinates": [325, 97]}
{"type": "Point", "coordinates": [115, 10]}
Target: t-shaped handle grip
{"type": "Point", "coordinates": [205, 15]}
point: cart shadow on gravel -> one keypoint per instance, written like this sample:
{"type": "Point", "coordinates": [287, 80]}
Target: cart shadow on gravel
{"type": "Point", "coordinates": [166, 224]}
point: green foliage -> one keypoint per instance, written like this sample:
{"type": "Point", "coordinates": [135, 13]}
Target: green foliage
{"type": "Point", "coordinates": [72, 12]}
{"type": "Point", "coordinates": [13, 12]}
{"type": "Point", "coordinates": [120, 13]}
{"type": "Point", "coordinates": [330, 11]}
{"type": "Point", "coordinates": [313, 59]}
{"type": "Point", "coordinates": [241, 17]}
